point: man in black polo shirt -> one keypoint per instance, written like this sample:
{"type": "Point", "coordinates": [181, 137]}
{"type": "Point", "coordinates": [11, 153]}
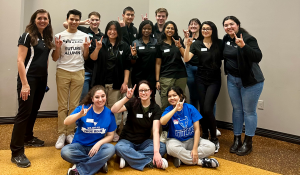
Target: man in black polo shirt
{"type": "Point", "coordinates": [129, 32]}
{"type": "Point", "coordinates": [161, 16]}
{"type": "Point", "coordinates": [94, 33]}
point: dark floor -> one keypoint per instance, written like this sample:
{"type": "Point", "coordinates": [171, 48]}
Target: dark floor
{"type": "Point", "coordinates": [268, 154]}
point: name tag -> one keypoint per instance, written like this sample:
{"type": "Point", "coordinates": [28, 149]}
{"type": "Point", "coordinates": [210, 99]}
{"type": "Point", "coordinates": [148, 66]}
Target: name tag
{"type": "Point", "coordinates": [228, 43]}
{"type": "Point", "coordinates": [134, 35]}
{"type": "Point", "coordinates": [90, 35]}
{"type": "Point", "coordinates": [142, 47]}
{"type": "Point", "coordinates": [152, 47]}
{"type": "Point", "coordinates": [175, 121]}
{"type": "Point", "coordinates": [90, 120]}
{"type": "Point", "coordinates": [139, 115]}
{"type": "Point", "coordinates": [203, 49]}
{"type": "Point", "coordinates": [166, 50]}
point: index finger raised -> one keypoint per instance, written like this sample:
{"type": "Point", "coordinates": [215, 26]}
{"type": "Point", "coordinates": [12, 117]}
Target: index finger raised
{"type": "Point", "coordinates": [118, 19]}
{"type": "Point", "coordinates": [85, 39]}
{"type": "Point", "coordinates": [134, 87]}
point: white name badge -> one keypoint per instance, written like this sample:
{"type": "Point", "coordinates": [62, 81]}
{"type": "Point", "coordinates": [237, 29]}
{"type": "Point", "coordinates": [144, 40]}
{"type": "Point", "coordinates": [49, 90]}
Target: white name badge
{"type": "Point", "coordinates": [90, 120]}
{"type": "Point", "coordinates": [139, 115]}
{"type": "Point", "coordinates": [166, 50]}
{"type": "Point", "coordinates": [142, 47]}
{"type": "Point", "coordinates": [175, 122]}
{"type": "Point", "coordinates": [203, 49]}
{"type": "Point", "coordinates": [90, 35]}
{"type": "Point", "coordinates": [152, 47]}
{"type": "Point", "coordinates": [228, 43]}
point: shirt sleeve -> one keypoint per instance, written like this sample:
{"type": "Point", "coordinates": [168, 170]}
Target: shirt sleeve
{"type": "Point", "coordinates": [158, 113]}
{"type": "Point", "coordinates": [128, 105]}
{"type": "Point", "coordinates": [195, 115]}
{"type": "Point", "coordinates": [24, 40]}
{"type": "Point", "coordinates": [112, 126]}
{"type": "Point", "coordinates": [127, 56]}
{"type": "Point", "coordinates": [193, 49]}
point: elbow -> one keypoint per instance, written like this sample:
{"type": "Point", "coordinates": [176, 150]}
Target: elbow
{"type": "Point", "coordinates": [113, 110]}
{"type": "Point", "coordinates": [66, 122]}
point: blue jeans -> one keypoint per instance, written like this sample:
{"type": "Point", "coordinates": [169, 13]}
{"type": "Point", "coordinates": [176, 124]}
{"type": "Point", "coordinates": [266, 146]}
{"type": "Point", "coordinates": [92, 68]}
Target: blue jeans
{"type": "Point", "coordinates": [244, 102]}
{"type": "Point", "coordinates": [138, 155]}
{"type": "Point", "coordinates": [86, 85]}
{"type": "Point", "coordinates": [78, 154]}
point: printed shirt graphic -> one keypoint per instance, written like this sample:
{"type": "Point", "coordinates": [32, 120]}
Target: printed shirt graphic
{"type": "Point", "coordinates": [93, 127]}
{"type": "Point", "coordinates": [181, 124]}
{"type": "Point", "coordinates": [71, 52]}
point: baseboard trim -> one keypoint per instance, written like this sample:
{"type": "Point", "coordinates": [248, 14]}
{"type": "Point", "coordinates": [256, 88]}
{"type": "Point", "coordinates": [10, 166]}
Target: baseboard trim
{"type": "Point", "coordinates": [265, 133]}
{"type": "Point", "coordinates": [41, 114]}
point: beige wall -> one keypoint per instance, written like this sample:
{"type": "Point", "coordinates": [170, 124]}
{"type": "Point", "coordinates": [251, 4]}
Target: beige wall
{"type": "Point", "coordinates": [269, 21]}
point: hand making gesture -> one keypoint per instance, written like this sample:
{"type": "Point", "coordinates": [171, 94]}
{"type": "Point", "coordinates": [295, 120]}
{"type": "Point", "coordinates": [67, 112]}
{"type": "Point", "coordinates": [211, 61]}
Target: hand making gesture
{"type": "Point", "coordinates": [133, 50]}
{"type": "Point", "coordinates": [99, 43]}
{"type": "Point", "coordinates": [179, 105]}
{"type": "Point", "coordinates": [130, 92]}
{"type": "Point", "coordinates": [189, 40]}
{"type": "Point", "coordinates": [58, 42]}
{"type": "Point", "coordinates": [186, 33]}
{"type": "Point", "coordinates": [87, 21]}
{"type": "Point", "coordinates": [86, 44]}
{"type": "Point", "coordinates": [144, 17]}
{"type": "Point", "coordinates": [177, 43]}
{"type": "Point", "coordinates": [121, 22]}
{"type": "Point", "coordinates": [239, 41]}
{"type": "Point", "coordinates": [83, 111]}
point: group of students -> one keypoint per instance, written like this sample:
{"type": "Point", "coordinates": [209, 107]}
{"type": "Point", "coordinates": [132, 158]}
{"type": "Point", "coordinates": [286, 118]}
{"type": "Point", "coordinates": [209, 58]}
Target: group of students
{"type": "Point", "coordinates": [94, 69]}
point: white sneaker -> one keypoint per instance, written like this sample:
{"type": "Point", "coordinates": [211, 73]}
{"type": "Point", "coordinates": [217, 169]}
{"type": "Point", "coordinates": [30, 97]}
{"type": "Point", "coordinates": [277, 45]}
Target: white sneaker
{"type": "Point", "coordinates": [164, 163]}
{"type": "Point", "coordinates": [69, 138]}
{"type": "Point", "coordinates": [218, 132]}
{"type": "Point", "coordinates": [60, 141]}
{"type": "Point", "coordinates": [116, 137]}
{"type": "Point", "coordinates": [163, 137]}
{"type": "Point", "coordinates": [208, 163]}
{"type": "Point", "coordinates": [122, 163]}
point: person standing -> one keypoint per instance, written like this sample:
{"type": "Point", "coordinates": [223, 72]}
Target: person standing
{"type": "Point", "coordinates": [129, 32]}
{"type": "Point", "coordinates": [72, 48]}
{"type": "Point", "coordinates": [161, 16]}
{"type": "Point", "coordinates": [34, 47]}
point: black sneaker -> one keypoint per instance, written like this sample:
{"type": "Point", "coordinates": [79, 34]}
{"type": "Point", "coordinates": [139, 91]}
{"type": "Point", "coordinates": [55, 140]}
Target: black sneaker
{"type": "Point", "coordinates": [21, 161]}
{"type": "Point", "coordinates": [176, 162]}
{"type": "Point", "coordinates": [217, 144]}
{"type": "Point", "coordinates": [209, 163]}
{"type": "Point", "coordinates": [104, 169]}
{"type": "Point", "coordinates": [150, 164]}
{"type": "Point", "coordinates": [34, 142]}
{"type": "Point", "coordinates": [73, 171]}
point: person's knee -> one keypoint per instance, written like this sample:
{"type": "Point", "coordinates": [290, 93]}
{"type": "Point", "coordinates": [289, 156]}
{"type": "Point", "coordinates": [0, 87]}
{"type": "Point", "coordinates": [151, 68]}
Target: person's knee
{"type": "Point", "coordinates": [209, 147]}
{"type": "Point", "coordinates": [109, 149]}
{"type": "Point", "coordinates": [120, 147]}
{"type": "Point", "coordinates": [66, 152]}
{"type": "Point", "coordinates": [162, 149]}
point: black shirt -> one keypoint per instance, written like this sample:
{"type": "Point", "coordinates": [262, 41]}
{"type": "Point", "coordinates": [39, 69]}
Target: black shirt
{"type": "Point", "coordinates": [129, 33]}
{"type": "Point", "coordinates": [157, 33]}
{"type": "Point", "coordinates": [111, 63]}
{"type": "Point", "coordinates": [172, 65]}
{"type": "Point", "coordinates": [210, 60]}
{"type": "Point", "coordinates": [89, 63]}
{"type": "Point", "coordinates": [230, 53]}
{"type": "Point", "coordinates": [39, 54]}
{"type": "Point", "coordinates": [144, 67]}
{"type": "Point", "coordinates": [139, 124]}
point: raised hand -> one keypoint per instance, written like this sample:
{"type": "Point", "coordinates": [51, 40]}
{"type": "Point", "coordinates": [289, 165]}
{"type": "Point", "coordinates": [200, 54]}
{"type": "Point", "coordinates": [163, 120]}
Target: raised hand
{"type": "Point", "coordinates": [121, 22]}
{"type": "Point", "coordinates": [25, 92]}
{"type": "Point", "coordinates": [186, 33]}
{"type": "Point", "coordinates": [86, 44]}
{"type": "Point", "coordinates": [99, 43]}
{"type": "Point", "coordinates": [189, 40]}
{"type": "Point", "coordinates": [58, 43]}
{"type": "Point", "coordinates": [177, 42]}
{"type": "Point", "coordinates": [144, 17]}
{"type": "Point", "coordinates": [83, 111]}
{"type": "Point", "coordinates": [239, 41]}
{"type": "Point", "coordinates": [87, 21]}
{"type": "Point", "coordinates": [179, 105]}
{"type": "Point", "coordinates": [133, 50]}
{"type": "Point", "coordinates": [130, 92]}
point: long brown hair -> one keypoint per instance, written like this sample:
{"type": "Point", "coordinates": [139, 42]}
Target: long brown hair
{"type": "Point", "coordinates": [33, 31]}
{"type": "Point", "coordinates": [87, 100]}
{"type": "Point", "coordinates": [137, 100]}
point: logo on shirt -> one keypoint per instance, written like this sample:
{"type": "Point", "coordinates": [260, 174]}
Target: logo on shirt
{"type": "Point", "coordinates": [121, 52]}
{"type": "Point", "coordinates": [93, 130]}
{"type": "Point", "coordinates": [73, 41]}
{"type": "Point", "coordinates": [184, 122]}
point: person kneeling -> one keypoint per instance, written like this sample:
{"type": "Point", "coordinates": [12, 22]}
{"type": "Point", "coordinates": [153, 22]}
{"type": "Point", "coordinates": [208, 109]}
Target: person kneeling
{"type": "Point", "coordinates": [184, 142]}
{"type": "Point", "coordinates": [134, 147]}
{"type": "Point", "coordinates": [90, 149]}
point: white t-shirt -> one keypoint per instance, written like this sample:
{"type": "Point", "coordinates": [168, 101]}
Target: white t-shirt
{"type": "Point", "coordinates": [71, 51]}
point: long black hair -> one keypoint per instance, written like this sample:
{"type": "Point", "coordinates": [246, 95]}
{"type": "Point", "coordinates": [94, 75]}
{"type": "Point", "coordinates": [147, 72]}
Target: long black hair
{"type": "Point", "coordinates": [137, 100]}
{"type": "Point", "coordinates": [199, 23]}
{"type": "Point", "coordinates": [175, 36]}
{"type": "Point", "coordinates": [237, 21]}
{"type": "Point", "coordinates": [178, 91]}
{"type": "Point", "coordinates": [119, 32]}
{"type": "Point", "coordinates": [143, 23]}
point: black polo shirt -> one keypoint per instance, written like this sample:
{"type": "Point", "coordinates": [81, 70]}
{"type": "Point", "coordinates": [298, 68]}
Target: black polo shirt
{"type": "Point", "coordinates": [210, 60]}
{"type": "Point", "coordinates": [172, 65]}
{"type": "Point", "coordinates": [230, 53]}
{"type": "Point", "coordinates": [89, 63]}
{"type": "Point", "coordinates": [157, 33]}
{"type": "Point", "coordinates": [39, 54]}
{"type": "Point", "coordinates": [139, 124]}
{"type": "Point", "coordinates": [129, 34]}
{"type": "Point", "coordinates": [144, 67]}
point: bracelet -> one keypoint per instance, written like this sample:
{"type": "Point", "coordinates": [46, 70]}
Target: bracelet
{"type": "Point", "coordinates": [157, 80]}
{"type": "Point", "coordinates": [127, 97]}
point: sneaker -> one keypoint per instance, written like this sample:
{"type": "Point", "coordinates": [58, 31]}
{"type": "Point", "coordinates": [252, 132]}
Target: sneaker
{"type": "Point", "coordinates": [123, 163]}
{"type": "Point", "coordinates": [217, 144]}
{"type": "Point", "coordinates": [104, 169]}
{"type": "Point", "coordinates": [150, 164]}
{"type": "Point", "coordinates": [218, 132]}
{"type": "Point", "coordinates": [208, 163]}
{"type": "Point", "coordinates": [164, 164]}
{"type": "Point", "coordinates": [176, 162]}
{"type": "Point", "coordinates": [21, 161]}
{"type": "Point", "coordinates": [34, 142]}
{"type": "Point", "coordinates": [73, 171]}
{"type": "Point", "coordinates": [69, 138]}
{"type": "Point", "coordinates": [163, 137]}
{"type": "Point", "coordinates": [60, 141]}
{"type": "Point", "coordinates": [116, 137]}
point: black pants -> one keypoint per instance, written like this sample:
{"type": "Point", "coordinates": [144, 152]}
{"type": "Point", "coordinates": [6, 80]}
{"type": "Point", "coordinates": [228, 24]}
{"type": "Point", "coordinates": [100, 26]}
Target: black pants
{"type": "Point", "coordinates": [208, 94]}
{"type": "Point", "coordinates": [27, 112]}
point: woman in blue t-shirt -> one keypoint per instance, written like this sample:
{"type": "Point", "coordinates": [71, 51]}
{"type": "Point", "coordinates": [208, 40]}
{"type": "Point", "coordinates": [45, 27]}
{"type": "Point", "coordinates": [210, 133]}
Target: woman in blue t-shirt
{"type": "Point", "coordinates": [90, 149]}
{"type": "Point", "coordinates": [184, 142]}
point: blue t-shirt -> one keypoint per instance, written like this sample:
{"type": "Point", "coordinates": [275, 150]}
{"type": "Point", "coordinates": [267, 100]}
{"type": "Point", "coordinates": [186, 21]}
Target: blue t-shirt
{"type": "Point", "coordinates": [181, 124]}
{"type": "Point", "coordinates": [93, 126]}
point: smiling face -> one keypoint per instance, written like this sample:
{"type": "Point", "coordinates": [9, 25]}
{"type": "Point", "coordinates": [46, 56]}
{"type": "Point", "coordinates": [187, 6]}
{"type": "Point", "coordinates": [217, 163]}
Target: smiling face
{"type": "Point", "coordinates": [173, 97]}
{"type": "Point", "coordinates": [128, 17]}
{"type": "Point", "coordinates": [73, 21]}
{"type": "Point", "coordinates": [231, 27]}
{"type": "Point", "coordinates": [169, 30]}
{"type": "Point", "coordinates": [144, 92]}
{"type": "Point", "coordinates": [99, 99]}
{"type": "Point", "coordinates": [95, 22]}
{"type": "Point", "coordinates": [194, 27]}
{"type": "Point", "coordinates": [41, 21]}
{"type": "Point", "coordinates": [147, 30]}
{"type": "Point", "coordinates": [161, 18]}
{"type": "Point", "coordinates": [206, 31]}
{"type": "Point", "coordinates": [112, 32]}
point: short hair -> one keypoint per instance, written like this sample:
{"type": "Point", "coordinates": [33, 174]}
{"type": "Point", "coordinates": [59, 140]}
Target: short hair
{"type": "Point", "coordinates": [160, 10]}
{"type": "Point", "coordinates": [95, 14]}
{"type": "Point", "coordinates": [128, 9]}
{"type": "Point", "coordinates": [74, 12]}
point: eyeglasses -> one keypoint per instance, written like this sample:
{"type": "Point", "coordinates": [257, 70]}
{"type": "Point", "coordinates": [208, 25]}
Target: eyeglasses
{"type": "Point", "coordinates": [206, 29]}
{"type": "Point", "coordinates": [144, 90]}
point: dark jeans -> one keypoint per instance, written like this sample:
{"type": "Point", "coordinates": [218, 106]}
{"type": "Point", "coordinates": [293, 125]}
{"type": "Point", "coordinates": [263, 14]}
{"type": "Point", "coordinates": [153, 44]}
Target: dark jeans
{"type": "Point", "coordinates": [27, 112]}
{"type": "Point", "coordinates": [208, 94]}
{"type": "Point", "coordinates": [191, 72]}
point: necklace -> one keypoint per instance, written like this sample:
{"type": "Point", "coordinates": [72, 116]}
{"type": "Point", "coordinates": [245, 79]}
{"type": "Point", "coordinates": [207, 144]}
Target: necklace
{"type": "Point", "coordinates": [179, 112]}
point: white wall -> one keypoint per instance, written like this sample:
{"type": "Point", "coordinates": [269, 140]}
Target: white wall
{"type": "Point", "coordinates": [275, 24]}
